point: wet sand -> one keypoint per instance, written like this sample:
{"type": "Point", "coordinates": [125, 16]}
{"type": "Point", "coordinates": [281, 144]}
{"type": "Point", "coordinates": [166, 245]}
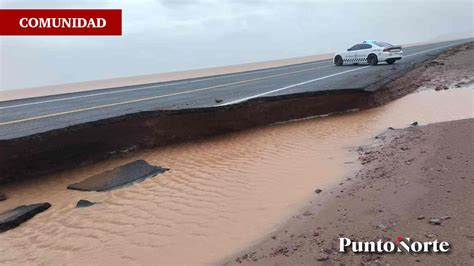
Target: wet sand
{"type": "Point", "coordinates": [410, 177]}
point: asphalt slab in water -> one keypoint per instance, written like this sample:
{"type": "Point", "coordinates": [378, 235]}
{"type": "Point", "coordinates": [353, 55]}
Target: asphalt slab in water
{"type": "Point", "coordinates": [14, 217]}
{"type": "Point", "coordinates": [118, 177]}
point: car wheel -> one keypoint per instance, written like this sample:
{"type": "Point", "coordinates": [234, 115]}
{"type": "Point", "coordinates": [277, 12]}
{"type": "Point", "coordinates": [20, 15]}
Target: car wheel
{"type": "Point", "coordinates": [338, 60]}
{"type": "Point", "coordinates": [372, 59]}
{"type": "Point", "coordinates": [390, 61]}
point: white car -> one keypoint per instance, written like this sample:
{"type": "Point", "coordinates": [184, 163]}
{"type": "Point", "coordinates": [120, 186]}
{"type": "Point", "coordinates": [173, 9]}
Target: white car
{"type": "Point", "coordinates": [370, 52]}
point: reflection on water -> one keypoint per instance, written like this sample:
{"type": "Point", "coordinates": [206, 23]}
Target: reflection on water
{"type": "Point", "coordinates": [220, 195]}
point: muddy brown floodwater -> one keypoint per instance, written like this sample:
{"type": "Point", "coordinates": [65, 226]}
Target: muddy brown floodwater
{"type": "Point", "coordinates": [221, 194]}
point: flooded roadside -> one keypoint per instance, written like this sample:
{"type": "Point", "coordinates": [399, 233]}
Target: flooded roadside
{"type": "Point", "coordinates": [220, 195]}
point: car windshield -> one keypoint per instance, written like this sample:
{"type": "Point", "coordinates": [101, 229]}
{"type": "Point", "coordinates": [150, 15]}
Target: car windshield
{"type": "Point", "coordinates": [382, 44]}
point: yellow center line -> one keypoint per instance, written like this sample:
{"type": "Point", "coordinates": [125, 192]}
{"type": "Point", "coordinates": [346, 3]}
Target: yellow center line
{"type": "Point", "coordinates": [153, 97]}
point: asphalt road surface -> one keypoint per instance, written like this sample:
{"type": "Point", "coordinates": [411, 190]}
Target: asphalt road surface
{"type": "Point", "coordinates": [25, 117]}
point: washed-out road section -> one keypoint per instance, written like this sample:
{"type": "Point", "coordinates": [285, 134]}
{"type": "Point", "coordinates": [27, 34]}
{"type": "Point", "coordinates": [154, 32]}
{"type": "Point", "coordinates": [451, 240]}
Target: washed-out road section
{"type": "Point", "coordinates": [26, 117]}
{"type": "Point", "coordinates": [44, 135]}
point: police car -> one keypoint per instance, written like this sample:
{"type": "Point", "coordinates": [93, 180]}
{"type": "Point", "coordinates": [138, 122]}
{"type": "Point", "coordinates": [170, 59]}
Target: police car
{"type": "Point", "coordinates": [370, 52]}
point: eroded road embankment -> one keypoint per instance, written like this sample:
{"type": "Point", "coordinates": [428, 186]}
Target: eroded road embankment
{"type": "Point", "coordinates": [69, 147]}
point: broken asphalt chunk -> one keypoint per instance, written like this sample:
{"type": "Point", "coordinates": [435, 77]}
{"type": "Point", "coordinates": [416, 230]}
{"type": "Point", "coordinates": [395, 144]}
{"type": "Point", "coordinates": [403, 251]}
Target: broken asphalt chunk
{"type": "Point", "coordinates": [118, 177]}
{"type": "Point", "coordinates": [14, 217]}
{"type": "Point", "coordinates": [84, 203]}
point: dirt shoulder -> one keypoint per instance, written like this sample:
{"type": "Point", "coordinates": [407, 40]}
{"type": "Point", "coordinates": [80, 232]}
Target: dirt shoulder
{"type": "Point", "coordinates": [410, 176]}
{"type": "Point", "coordinates": [451, 69]}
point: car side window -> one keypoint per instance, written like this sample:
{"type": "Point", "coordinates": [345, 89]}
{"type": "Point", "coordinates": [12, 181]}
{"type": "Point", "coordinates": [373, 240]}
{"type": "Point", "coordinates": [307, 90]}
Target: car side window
{"type": "Point", "coordinates": [352, 48]}
{"type": "Point", "coordinates": [366, 46]}
{"type": "Point", "coordinates": [356, 47]}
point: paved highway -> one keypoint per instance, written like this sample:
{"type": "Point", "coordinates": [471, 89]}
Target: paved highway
{"type": "Point", "coordinates": [29, 116]}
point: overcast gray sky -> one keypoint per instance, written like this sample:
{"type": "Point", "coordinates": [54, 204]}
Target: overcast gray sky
{"type": "Point", "coordinates": [166, 35]}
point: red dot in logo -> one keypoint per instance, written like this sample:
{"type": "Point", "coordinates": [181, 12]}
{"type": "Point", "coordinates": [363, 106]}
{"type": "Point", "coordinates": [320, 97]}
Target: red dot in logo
{"type": "Point", "coordinates": [399, 238]}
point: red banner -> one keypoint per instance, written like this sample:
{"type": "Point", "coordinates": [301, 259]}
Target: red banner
{"type": "Point", "coordinates": [61, 22]}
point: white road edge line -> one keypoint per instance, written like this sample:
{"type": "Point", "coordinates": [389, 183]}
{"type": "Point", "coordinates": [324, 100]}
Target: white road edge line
{"type": "Point", "coordinates": [290, 86]}
{"type": "Point", "coordinates": [159, 85]}
{"type": "Point", "coordinates": [434, 49]}
{"type": "Point", "coordinates": [157, 96]}
{"type": "Point", "coordinates": [321, 78]}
